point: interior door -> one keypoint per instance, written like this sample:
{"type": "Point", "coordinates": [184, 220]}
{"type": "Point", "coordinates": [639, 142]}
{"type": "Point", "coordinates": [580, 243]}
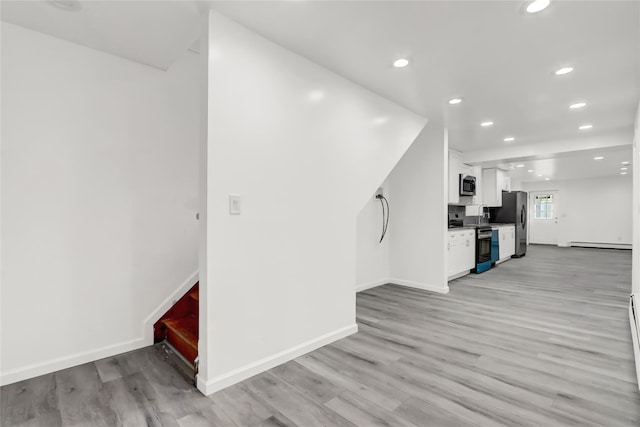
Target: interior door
{"type": "Point", "coordinates": [543, 217]}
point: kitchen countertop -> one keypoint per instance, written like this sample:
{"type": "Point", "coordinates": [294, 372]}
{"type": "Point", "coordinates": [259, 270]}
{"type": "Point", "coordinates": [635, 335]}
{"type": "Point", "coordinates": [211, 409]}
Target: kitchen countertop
{"type": "Point", "coordinates": [493, 225]}
{"type": "Point", "coordinates": [502, 224]}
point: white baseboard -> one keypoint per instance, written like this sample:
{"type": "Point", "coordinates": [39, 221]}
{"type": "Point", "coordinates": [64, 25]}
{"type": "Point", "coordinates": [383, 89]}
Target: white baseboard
{"type": "Point", "coordinates": [424, 286]}
{"type": "Point", "coordinates": [635, 338]}
{"type": "Point", "coordinates": [600, 245]}
{"type": "Point", "coordinates": [233, 377]}
{"type": "Point", "coordinates": [459, 275]}
{"type": "Point", "coordinates": [147, 325]}
{"type": "Point", "coordinates": [376, 283]}
{"type": "Point", "coordinates": [65, 362]}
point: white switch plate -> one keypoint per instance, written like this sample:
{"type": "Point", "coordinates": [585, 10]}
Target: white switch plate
{"type": "Point", "coordinates": [235, 204]}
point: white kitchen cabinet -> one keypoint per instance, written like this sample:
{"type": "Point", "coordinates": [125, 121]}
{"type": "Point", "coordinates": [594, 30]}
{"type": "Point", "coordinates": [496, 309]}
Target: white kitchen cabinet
{"type": "Point", "coordinates": [477, 200]}
{"type": "Point", "coordinates": [461, 248]}
{"type": "Point", "coordinates": [507, 242]}
{"type": "Point", "coordinates": [456, 167]}
{"type": "Point", "coordinates": [494, 181]}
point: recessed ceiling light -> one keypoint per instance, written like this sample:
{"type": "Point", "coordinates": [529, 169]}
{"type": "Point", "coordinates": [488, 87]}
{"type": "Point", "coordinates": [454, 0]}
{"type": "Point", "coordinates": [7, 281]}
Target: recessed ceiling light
{"type": "Point", "coordinates": [540, 175]}
{"type": "Point", "coordinates": [577, 105]}
{"type": "Point", "coordinates": [530, 170]}
{"type": "Point", "coordinates": [585, 127]}
{"type": "Point", "coordinates": [400, 63]}
{"type": "Point", "coordinates": [454, 101]}
{"type": "Point", "coordinates": [66, 4]}
{"type": "Point", "coordinates": [509, 139]}
{"type": "Point", "coordinates": [624, 169]}
{"type": "Point", "coordinates": [519, 166]}
{"type": "Point", "coordinates": [598, 158]}
{"type": "Point", "coordinates": [537, 5]}
{"type": "Point", "coordinates": [547, 179]}
{"type": "Point", "coordinates": [625, 163]}
{"type": "Point", "coordinates": [623, 173]}
{"type": "Point", "coordinates": [486, 124]}
{"type": "Point", "coordinates": [564, 70]}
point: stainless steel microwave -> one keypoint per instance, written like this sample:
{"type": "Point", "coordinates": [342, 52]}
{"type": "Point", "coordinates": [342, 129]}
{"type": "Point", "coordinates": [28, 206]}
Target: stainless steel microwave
{"type": "Point", "coordinates": [467, 185]}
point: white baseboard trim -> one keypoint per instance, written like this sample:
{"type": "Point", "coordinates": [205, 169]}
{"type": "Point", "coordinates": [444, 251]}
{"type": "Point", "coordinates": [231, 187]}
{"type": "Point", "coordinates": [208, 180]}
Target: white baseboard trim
{"type": "Point", "coordinates": [600, 245]}
{"type": "Point", "coordinates": [147, 325]}
{"type": "Point", "coordinates": [635, 334]}
{"type": "Point", "coordinates": [423, 286]}
{"type": "Point", "coordinates": [65, 362]}
{"type": "Point", "coordinates": [376, 283]}
{"type": "Point", "coordinates": [219, 382]}
{"type": "Point", "coordinates": [459, 275]}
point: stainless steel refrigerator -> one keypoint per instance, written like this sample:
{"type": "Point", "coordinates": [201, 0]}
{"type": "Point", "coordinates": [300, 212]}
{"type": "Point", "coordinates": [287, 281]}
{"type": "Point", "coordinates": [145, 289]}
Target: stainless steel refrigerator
{"type": "Point", "coordinates": [513, 210]}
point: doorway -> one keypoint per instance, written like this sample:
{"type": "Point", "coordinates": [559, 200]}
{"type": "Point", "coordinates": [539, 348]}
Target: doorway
{"type": "Point", "coordinates": [543, 217]}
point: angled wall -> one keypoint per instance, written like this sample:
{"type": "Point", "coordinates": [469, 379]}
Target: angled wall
{"type": "Point", "coordinates": [304, 149]}
{"type": "Point", "coordinates": [418, 225]}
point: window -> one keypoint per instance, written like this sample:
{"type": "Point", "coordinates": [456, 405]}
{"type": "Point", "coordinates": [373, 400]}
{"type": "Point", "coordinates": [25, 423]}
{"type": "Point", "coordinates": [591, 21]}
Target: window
{"type": "Point", "coordinates": [544, 206]}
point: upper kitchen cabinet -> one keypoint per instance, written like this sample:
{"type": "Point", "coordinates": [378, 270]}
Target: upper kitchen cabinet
{"type": "Point", "coordinates": [474, 206]}
{"type": "Point", "coordinates": [456, 167]}
{"type": "Point", "coordinates": [494, 181]}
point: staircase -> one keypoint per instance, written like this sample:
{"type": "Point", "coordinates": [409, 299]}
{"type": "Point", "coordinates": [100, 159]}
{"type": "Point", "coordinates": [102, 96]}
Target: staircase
{"type": "Point", "coordinates": [179, 327]}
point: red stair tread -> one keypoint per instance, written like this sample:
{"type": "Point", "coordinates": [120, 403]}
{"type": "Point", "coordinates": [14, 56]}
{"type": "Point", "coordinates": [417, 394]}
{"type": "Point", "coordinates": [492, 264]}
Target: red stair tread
{"type": "Point", "coordinates": [186, 327]}
{"type": "Point", "coordinates": [182, 334]}
{"type": "Point", "coordinates": [195, 295]}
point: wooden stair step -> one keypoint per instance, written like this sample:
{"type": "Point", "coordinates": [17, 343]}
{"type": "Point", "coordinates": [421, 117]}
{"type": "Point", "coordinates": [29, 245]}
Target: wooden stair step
{"type": "Point", "coordinates": [182, 334]}
{"type": "Point", "coordinates": [195, 295]}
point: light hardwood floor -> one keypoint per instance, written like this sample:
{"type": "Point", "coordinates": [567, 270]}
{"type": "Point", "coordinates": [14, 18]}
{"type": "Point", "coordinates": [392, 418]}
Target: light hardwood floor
{"type": "Point", "coordinates": [543, 340]}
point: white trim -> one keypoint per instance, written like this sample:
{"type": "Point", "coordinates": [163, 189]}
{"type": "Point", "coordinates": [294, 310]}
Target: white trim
{"type": "Point", "coordinates": [233, 377]}
{"type": "Point", "coordinates": [600, 245]}
{"type": "Point", "coordinates": [457, 275]}
{"type": "Point", "coordinates": [65, 362]}
{"type": "Point", "coordinates": [635, 336]}
{"type": "Point", "coordinates": [376, 283]}
{"type": "Point", "coordinates": [423, 286]}
{"type": "Point", "coordinates": [147, 324]}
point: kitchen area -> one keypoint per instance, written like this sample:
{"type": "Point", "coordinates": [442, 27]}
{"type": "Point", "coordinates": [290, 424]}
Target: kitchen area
{"type": "Point", "coordinates": [487, 221]}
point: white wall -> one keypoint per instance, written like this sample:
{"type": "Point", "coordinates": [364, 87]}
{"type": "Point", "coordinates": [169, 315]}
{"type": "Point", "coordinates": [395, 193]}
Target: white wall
{"type": "Point", "coordinates": [594, 210]}
{"type": "Point", "coordinates": [418, 224]}
{"type": "Point", "coordinates": [372, 255]}
{"type": "Point", "coordinates": [305, 149]}
{"type": "Point", "coordinates": [635, 211]}
{"type": "Point", "coordinates": [99, 187]}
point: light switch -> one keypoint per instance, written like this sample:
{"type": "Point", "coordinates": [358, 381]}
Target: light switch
{"type": "Point", "coordinates": [234, 204]}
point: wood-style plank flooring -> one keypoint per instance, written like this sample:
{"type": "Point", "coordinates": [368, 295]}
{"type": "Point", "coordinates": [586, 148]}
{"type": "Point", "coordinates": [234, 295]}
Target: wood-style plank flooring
{"type": "Point", "coordinates": [538, 341]}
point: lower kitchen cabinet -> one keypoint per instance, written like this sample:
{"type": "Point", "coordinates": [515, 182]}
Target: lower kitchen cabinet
{"type": "Point", "coordinates": [461, 248]}
{"type": "Point", "coordinates": [507, 242]}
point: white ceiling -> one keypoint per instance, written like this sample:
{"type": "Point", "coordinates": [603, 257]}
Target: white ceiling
{"type": "Point", "coordinates": [154, 33]}
{"type": "Point", "coordinates": [572, 165]}
{"type": "Point", "coordinates": [493, 54]}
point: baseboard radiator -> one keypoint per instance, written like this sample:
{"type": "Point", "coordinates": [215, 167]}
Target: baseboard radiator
{"type": "Point", "coordinates": [634, 320]}
{"type": "Point", "coordinates": [600, 245]}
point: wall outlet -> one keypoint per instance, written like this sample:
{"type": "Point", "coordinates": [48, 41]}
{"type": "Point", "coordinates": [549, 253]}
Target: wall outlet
{"type": "Point", "coordinates": [379, 192]}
